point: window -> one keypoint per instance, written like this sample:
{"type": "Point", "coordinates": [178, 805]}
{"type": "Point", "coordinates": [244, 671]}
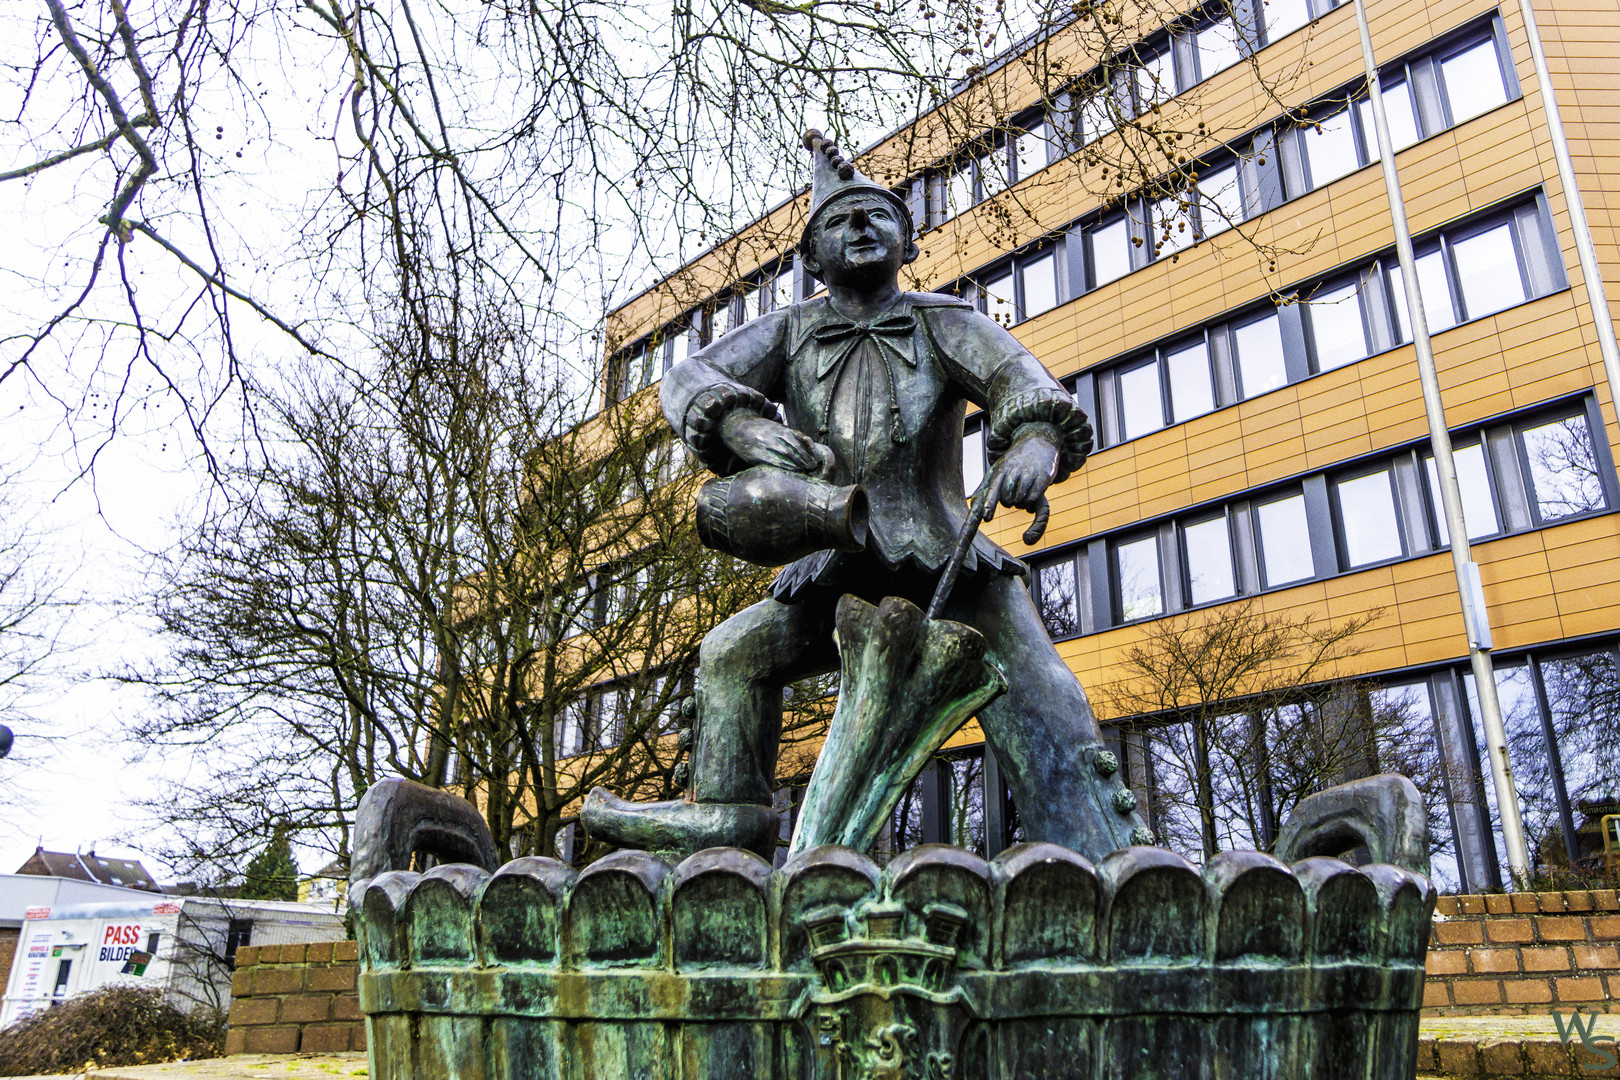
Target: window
{"type": "Point", "coordinates": [1155, 80]}
{"type": "Point", "coordinates": [1259, 350]}
{"type": "Point", "coordinates": [1174, 226]}
{"type": "Point", "coordinates": [728, 315]}
{"type": "Point", "coordinates": [952, 193]}
{"type": "Point", "coordinates": [1285, 549]}
{"type": "Point", "coordinates": [1583, 700]}
{"type": "Point", "coordinates": [1479, 509]}
{"type": "Point", "coordinates": [1368, 525]}
{"type": "Point", "coordinates": [1039, 280]}
{"type": "Point", "coordinates": [1210, 572]}
{"type": "Point", "coordinates": [1330, 148]}
{"type": "Point", "coordinates": [1438, 309]}
{"type": "Point", "coordinates": [606, 719]}
{"type": "Point", "coordinates": [992, 173]}
{"type": "Point", "coordinates": [1141, 593]}
{"type": "Point", "coordinates": [1336, 327]}
{"type": "Point", "coordinates": [1141, 408]}
{"type": "Point", "coordinates": [1563, 742]}
{"type": "Point", "coordinates": [973, 457]}
{"type": "Point", "coordinates": [1407, 739]}
{"type": "Point", "coordinates": [1283, 17]}
{"type": "Point", "coordinates": [581, 609]}
{"type": "Point", "coordinates": [1191, 391]}
{"type": "Point", "coordinates": [1095, 115]}
{"type": "Point", "coordinates": [1340, 322]}
{"type": "Point", "coordinates": [1563, 468]}
{"type": "Point", "coordinates": [238, 932]}
{"type": "Point", "coordinates": [1023, 290]}
{"type": "Point", "coordinates": [569, 726]}
{"type": "Point", "coordinates": [1216, 47]}
{"type": "Point", "coordinates": [1110, 246]}
{"type": "Point", "coordinates": [1472, 80]}
{"type": "Point", "coordinates": [1488, 269]}
{"type": "Point", "coordinates": [1057, 596]}
{"type": "Point", "coordinates": [999, 299]}
{"type": "Point", "coordinates": [684, 338]}
{"type": "Point", "coordinates": [1220, 200]}
{"type": "Point", "coordinates": [1423, 94]}
{"type": "Point", "coordinates": [1523, 475]}
{"type": "Point", "coordinates": [1399, 110]}
{"type": "Point", "coordinates": [621, 594]}
{"type": "Point", "coordinates": [781, 286]}
{"type": "Point", "coordinates": [1030, 149]}
{"type": "Point", "coordinates": [631, 370]}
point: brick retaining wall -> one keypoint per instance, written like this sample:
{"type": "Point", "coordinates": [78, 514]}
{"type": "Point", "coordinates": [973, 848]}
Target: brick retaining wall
{"type": "Point", "coordinates": [1518, 953]}
{"type": "Point", "coordinates": [287, 998]}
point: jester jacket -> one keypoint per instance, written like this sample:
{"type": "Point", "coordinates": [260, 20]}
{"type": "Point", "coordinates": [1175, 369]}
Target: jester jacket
{"type": "Point", "coordinates": [888, 398]}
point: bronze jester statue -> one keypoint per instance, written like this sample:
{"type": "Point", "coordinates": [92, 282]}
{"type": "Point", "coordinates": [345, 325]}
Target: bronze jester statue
{"type": "Point", "coordinates": [874, 382]}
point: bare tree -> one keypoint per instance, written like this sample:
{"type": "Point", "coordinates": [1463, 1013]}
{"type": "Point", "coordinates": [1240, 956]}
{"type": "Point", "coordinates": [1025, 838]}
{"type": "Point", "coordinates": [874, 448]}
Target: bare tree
{"type": "Point", "coordinates": [562, 154]}
{"type": "Point", "coordinates": [435, 573]}
{"type": "Point", "coordinates": [1233, 717]}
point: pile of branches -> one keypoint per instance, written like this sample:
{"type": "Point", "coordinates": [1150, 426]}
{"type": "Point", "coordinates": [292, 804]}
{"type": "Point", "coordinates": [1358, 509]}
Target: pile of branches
{"type": "Point", "coordinates": [116, 1025]}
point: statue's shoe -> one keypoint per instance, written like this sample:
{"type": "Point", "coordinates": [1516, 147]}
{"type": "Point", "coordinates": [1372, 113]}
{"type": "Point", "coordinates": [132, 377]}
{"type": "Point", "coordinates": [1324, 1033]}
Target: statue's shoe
{"type": "Point", "coordinates": [677, 828]}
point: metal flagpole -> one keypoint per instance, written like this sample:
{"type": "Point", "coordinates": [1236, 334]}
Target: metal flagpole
{"type": "Point", "coordinates": [1469, 591]}
{"type": "Point", "coordinates": [1591, 278]}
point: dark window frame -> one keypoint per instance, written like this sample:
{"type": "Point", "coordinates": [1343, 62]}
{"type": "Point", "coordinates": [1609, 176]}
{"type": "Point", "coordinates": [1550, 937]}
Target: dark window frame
{"type": "Point", "coordinates": [1225, 513]}
{"type": "Point", "coordinates": [1341, 542]}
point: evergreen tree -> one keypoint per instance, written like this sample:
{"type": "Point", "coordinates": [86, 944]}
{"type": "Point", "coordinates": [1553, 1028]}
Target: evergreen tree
{"type": "Point", "coordinates": [272, 874]}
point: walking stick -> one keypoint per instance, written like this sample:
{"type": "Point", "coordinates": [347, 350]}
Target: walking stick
{"type": "Point", "coordinates": [970, 529]}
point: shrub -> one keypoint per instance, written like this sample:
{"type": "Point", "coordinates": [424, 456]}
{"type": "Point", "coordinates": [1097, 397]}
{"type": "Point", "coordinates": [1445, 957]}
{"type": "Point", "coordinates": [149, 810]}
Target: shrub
{"type": "Point", "coordinates": [116, 1025]}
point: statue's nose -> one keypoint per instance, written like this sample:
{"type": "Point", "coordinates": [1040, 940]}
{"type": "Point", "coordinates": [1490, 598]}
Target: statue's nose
{"type": "Point", "coordinates": [858, 218]}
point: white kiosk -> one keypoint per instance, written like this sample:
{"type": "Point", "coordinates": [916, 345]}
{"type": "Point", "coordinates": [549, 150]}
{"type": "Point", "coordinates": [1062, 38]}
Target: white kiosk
{"type": "Point", "coordinates": [185, 945]}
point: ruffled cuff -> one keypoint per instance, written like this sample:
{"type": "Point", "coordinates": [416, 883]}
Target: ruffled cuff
{"type": "Point", "coordinates": [1041, 407]}
{"type": "Point", "coordinates": [701, 424]}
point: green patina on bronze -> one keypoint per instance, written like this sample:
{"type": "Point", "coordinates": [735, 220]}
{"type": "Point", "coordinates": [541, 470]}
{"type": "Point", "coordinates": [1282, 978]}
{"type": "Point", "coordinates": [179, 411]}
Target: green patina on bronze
{"type": "Point", "coordinates": [1035, 965]}
{"type": "Point", "coordinates": [908, 683]}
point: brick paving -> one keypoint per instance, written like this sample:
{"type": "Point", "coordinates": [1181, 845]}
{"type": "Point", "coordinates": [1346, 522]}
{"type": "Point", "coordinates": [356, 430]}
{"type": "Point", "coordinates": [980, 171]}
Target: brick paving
{"type": "Point", "coordinates": [1475, 1047]}
{"type": "Point", "coordinates": [242, 1067]}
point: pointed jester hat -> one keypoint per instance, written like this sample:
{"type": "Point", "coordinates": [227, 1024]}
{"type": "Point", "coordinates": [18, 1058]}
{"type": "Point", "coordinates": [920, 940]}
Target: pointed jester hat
{"type": "Point", "coordinates": [832, 177]}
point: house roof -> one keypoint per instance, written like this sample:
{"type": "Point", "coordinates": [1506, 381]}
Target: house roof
{"type": "Point", "coordinates": [127, 873]}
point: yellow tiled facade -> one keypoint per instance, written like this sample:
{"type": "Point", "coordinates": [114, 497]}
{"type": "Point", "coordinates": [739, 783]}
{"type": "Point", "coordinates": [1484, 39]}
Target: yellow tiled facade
{"type": "Point", "coordinates": [1515, 362]}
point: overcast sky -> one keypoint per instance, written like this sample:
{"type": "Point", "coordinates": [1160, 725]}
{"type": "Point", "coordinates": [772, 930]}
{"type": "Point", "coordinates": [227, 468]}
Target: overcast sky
{"type": "Point", "coordinates": [99, 509]}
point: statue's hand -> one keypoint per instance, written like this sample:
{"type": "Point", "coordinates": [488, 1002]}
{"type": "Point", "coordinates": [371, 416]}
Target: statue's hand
{"type": "Point", "coordinates": [1027, 469]}
{"type": "Point", "coordinates": [759, 441]}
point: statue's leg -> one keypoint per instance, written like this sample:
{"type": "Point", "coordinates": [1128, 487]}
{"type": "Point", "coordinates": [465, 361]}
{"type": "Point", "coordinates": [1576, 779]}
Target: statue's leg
{"type": "Point", "coordinates": [743, 665]}
{"type": "Point", "coordinates": [1043, 731]}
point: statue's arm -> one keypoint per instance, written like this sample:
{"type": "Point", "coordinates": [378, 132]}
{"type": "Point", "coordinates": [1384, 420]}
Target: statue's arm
{"type": "Point", "coordinates": [999, 375]}
{"type": "Point", "coordinates": [740, 373]}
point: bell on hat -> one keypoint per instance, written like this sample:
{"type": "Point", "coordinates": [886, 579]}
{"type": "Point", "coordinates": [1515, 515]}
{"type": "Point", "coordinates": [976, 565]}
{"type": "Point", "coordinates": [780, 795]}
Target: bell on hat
{"type": "Point", "coordinates": [831, 175]}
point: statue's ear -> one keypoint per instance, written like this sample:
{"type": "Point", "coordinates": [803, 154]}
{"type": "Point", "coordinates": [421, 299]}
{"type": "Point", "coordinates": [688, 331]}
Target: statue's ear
{"type": "Point", "coordinates": [811, 264]}
{"type": "Point", "coordinates": [911, 252]}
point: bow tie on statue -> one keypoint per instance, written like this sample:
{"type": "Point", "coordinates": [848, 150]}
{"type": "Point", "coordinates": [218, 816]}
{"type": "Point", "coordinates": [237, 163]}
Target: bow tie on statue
{"type": "Point", "coordinates": [842, 339]}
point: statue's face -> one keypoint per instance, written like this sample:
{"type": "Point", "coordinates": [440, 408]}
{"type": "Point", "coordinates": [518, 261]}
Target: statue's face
{"type": "Point", "coordinates": [858, 238]}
